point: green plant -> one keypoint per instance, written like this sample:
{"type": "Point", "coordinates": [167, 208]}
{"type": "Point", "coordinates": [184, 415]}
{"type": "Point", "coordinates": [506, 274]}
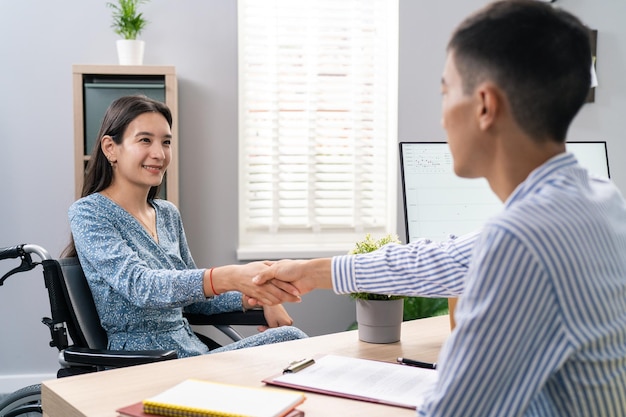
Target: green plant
{"type": "Point", "coordinates": [421, 307]}
{"type": "Point", "coordinates": [127, 21]}
{"type": "Point", "coordinates": [414, 307]}
{"type": "Point", "coordinates": [369, 244]}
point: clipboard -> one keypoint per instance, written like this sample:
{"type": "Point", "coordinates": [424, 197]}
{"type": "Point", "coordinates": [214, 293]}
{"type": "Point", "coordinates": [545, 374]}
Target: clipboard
{"type": "Point", "coordinates": [361, 379]}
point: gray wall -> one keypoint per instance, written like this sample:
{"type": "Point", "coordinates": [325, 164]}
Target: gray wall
{"type": "Point", "coordinates": [41, 41]}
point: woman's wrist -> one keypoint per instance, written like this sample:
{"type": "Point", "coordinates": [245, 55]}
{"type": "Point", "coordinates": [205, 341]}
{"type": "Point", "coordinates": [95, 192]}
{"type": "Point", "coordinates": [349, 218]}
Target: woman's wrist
{"type": "Point", "coordinates": [215, 281]}
{"type": "Point", "coordinates": [211, 282]}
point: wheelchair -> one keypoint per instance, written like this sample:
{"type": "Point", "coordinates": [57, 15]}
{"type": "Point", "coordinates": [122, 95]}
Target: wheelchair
{"type": "Point", "coordinates": [73, 311]}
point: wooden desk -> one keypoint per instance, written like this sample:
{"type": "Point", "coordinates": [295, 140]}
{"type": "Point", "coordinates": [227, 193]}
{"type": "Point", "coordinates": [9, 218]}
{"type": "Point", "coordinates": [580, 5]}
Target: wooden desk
{"type": "Point", "coordinates": [100, 394]}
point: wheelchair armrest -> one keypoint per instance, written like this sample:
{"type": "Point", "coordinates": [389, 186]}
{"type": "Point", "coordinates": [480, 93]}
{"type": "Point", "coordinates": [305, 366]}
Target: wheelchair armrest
{"type": "Point", "coordinates": [235, 318]}
{"type": "Point", "coordinates": [114, 358]}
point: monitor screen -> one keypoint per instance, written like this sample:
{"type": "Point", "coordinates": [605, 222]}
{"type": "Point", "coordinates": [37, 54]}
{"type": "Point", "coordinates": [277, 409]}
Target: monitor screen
{"type": "Point", "coordinates": [438, 204]}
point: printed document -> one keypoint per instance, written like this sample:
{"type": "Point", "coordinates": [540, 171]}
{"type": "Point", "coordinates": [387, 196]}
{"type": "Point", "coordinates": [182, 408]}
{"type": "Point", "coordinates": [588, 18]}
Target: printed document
{"type": "Point", "coordinates": [363, 379]}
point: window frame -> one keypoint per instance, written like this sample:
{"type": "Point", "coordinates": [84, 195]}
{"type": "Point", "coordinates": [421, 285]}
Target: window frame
{"type": "Point", "coordinates": [307, 244]}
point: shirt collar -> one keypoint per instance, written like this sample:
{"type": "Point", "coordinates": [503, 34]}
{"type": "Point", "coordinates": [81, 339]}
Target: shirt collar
{"type": "Point", "coordinates": [538, 176]}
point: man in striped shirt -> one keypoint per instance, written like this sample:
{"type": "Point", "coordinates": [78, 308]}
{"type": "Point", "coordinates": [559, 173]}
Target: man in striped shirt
{"type": "Point", "coordinates": [541, 327]}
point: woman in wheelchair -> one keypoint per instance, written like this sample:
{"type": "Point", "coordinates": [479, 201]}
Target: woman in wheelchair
{"type": "Point", "coordinates": [134, 252]}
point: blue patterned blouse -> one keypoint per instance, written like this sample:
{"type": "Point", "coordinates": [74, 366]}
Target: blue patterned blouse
{"type": "Point", "coordinates": [141, 286]}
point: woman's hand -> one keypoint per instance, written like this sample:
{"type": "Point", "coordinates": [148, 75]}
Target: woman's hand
{"type": "Point", "coordinates": [276, 316]}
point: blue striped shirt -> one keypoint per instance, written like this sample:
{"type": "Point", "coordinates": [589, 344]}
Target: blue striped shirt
{"type": "Point", "coordinates": [541, 326]}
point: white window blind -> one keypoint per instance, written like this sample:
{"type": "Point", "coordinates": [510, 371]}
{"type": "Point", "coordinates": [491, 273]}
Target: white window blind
{"type": "Point", "coordinates": [317, 125]}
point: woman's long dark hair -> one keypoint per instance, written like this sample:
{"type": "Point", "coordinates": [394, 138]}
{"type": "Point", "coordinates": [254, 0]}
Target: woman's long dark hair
{"type": "Point", "coordinates": [99, 173]}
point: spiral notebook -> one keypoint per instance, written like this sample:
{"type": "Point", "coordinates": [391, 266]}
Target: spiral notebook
{"type": "Point", "coordinates": [198, 398]}
{"type": "Point", "coordinates": [136, 410]}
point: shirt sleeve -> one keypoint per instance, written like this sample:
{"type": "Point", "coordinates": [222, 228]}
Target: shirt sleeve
{"type": "Point", "coordinates": [422, 268]}
{"type": "Point", "coordinates": [508, 339]}
{"type": "Point", "coordinates": [183, 246]}
{"type": "Point", "coordinates": [223, 303]}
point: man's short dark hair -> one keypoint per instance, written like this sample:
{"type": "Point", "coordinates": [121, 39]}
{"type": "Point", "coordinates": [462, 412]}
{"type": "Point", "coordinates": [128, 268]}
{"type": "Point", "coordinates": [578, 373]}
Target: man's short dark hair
{"type": "Point", "coordinates": [539, 55]}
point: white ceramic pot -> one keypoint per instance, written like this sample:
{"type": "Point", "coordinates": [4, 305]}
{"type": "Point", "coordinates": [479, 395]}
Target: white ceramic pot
{"type": "Point", "coordinates": [130, 51]}
{"type": "Point", "coordinates": [379, 321]}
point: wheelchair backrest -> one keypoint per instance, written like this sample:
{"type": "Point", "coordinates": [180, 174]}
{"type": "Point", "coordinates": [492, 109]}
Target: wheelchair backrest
{"type": "Point", "coordinates": [85, 330]}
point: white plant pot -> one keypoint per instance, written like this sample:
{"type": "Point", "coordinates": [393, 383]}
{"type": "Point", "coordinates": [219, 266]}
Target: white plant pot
{"type": "Point", "coordinates": [379, 321]}
{"type": "Point", "coordinates": [130, 51]}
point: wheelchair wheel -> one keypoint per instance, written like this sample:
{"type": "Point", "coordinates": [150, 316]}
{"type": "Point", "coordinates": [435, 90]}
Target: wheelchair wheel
{"type": "Point", "coordinates": [23, 401]}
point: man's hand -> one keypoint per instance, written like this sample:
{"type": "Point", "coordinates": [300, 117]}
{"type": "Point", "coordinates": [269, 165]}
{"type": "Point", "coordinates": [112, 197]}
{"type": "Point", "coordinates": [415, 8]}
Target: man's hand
{"type": "Point", "coordinates": [304, 276]}
{"type": "Point", "coordinates": [270, 293]}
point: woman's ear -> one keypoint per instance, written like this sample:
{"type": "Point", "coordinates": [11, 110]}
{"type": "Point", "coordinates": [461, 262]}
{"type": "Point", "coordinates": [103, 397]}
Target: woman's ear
{"type": "Point", "coordinates": [108, 147]}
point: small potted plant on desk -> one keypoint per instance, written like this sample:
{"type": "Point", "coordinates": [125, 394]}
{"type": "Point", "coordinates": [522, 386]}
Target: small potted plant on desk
{"type": "Point", "coordinates": [379, 316]}
{"type": "Point", "coordinates": [128, 22]}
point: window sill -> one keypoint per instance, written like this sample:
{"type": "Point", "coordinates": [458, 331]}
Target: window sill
{"type": "Point", "coordinates": [293, 252]}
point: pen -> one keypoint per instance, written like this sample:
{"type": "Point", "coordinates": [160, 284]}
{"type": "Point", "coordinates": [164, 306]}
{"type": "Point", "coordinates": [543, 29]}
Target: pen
{"type": "Point", "coordinates": [419, 364]}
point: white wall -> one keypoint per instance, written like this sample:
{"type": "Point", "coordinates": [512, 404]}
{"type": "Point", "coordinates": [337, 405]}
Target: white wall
{"type": "Point", "coordinates": [424, 32]}
{"type": "Point", "coordinates": [41, 41]}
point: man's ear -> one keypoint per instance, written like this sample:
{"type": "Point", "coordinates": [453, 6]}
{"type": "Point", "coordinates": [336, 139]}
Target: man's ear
{"type": "Point", "coordinates": [490, 102]}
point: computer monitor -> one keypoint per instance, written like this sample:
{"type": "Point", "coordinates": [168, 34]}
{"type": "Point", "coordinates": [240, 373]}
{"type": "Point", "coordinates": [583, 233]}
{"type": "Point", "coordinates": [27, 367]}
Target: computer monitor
{"type": "Point", "coordinates": [438, 204]}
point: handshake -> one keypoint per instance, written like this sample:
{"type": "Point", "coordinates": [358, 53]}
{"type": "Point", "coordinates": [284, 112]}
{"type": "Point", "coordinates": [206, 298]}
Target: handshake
{"type": "Point", "coordinates": [273, 282]}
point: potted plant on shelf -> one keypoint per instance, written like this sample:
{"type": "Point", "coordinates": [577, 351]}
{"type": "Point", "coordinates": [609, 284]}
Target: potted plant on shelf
{"type": "Point", "coordinates": [128, 22]}
{"type": "Point", "coordinates": [378, 316]}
